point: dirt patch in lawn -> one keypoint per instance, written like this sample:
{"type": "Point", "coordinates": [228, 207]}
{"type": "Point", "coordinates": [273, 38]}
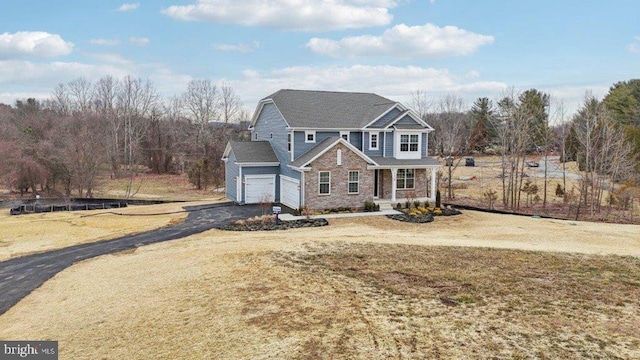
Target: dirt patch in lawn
{"type": "Point", "coordinates": [366, 288]}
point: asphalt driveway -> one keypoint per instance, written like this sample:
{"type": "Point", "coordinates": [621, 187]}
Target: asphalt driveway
{"type": "Point", "coordinates": [20, 276]}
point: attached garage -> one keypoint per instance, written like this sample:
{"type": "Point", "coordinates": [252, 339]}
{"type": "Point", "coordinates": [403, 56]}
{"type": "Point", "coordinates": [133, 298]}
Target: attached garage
{"type": "Point", "coordinates": [259, 188]}
{"type": "Point", "coordinates": [290, 192]}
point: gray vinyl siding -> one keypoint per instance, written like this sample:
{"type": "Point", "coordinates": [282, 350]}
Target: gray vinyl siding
{"type": "Point", "coordinates": [425, 141]}
{"type": "Point", "coordinates": [231, 172]}
{"type": "Point", "coordinates": [263, 170]}
{"type": "Point", "coordinates": [388, 144]}
{"type": "Point", "coordinates": [370, 152]}
{"type": "Point", "coordinates": [300, 147]}
{"type": "Point", "coordinates": [406, 120]}
{"type": "Point", "coordinates": [383, 120]}
{"type": "Point", "coordinates": [271, 122]}
{"type": "Point", "coordinates": [355, 138]}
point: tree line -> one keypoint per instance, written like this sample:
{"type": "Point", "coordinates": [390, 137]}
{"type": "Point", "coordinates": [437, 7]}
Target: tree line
{"type": "Point", "coordinates": [603, 136]}
{"type": "Point", "coordinates": [59, 146]}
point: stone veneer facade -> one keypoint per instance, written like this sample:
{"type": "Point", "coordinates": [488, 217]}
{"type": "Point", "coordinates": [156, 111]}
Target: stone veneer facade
{"type": "Point", "coordinates": [339, 196]}
{"type": "Point", "coordinates": [419, 190]}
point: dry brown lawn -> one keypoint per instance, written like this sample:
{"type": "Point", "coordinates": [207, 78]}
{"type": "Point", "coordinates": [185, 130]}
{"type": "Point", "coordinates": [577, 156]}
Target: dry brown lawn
{"type": "Point", "coordinates": [486, 179]}
{"type": "Point", "coordinates": [27, 234]}
{"type": "Point", "coordinates": [367, 288]}
{"type": "Point", "coordinates": [153, 187]}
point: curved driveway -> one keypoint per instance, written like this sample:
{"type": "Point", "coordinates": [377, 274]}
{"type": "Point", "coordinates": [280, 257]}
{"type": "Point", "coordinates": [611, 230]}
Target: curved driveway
{"type": "Point", "coordinates": [20, 276]}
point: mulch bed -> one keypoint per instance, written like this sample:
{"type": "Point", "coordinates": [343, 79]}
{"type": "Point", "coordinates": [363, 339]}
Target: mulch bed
{"type": "Point", "coordinates": [269, 225]}
{"type": "Point", "coordinates": [422, 218]}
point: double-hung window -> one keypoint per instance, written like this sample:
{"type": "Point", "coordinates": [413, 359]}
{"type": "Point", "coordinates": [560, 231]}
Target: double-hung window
{"type": "Point", "coordinates": [324, 182]}
{"type": "Point", "coordinates": [373, 141]}
{"type": "Point", "coordinates": [405, 179]}
{"type": "Point", "coordinates": [353, 183]}
{"type": "Point", "coordinates": [409, 142]}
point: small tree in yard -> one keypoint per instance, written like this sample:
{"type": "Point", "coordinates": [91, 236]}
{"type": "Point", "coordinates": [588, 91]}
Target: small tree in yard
{"type": "Point", "coordinates": [438, 198]}
{"type": "Point", "coordinates": [200, 173]}
{"type": "Point", "coordinates": [531, 190]}
{"type": "Point", "coordinates": [491, 197]}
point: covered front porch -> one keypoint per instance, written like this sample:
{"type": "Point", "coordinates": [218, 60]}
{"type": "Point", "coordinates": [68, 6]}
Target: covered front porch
{"type": "Point", "coordinates": [396, 184]}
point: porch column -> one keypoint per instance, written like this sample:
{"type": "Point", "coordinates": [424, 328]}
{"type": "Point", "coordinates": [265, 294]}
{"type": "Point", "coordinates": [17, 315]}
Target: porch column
{"type": "Point", "coordinates": [432, 193]}
{"type": "Point", "coordinates": [394, 177]}
{"type": "Point", "coordinates": [240, 186]}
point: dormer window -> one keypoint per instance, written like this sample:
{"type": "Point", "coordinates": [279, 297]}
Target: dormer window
{"type": "Point", "coordinates": [408, 145]}
{"type": "Point", "coordinates": [309, 136]}
{"type": "Point", "coordinates": [344, 135]}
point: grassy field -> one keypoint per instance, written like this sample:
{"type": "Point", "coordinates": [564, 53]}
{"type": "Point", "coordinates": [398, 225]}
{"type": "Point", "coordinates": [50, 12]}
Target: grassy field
{"type": "Point", "coordinates": [27, 234]}
{"type": "Point", "coordinates": [466, 287]}
{"type": "Point", "coordinates": [153, 187]}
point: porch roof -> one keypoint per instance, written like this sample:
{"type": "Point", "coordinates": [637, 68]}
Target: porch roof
{"type": "Point", "coordinates": [253, 152]}
{"type": "Point", "coordinates": [389, 162]}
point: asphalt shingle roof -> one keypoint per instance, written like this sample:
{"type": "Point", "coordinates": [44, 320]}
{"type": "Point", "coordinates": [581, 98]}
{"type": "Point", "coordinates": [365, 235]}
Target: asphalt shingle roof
{"type": "Point", "coordinates": [329, 109]}
{"type": "Point", "coordinates": [389, 161]}
{"type": "Point", "coordinates": [253, 151]}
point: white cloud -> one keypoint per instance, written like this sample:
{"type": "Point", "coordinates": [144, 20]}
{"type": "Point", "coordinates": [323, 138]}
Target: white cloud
{"type": "Point", "coordinates": [633, 48]}
{"type": "Point", "coordinates": [305, 15]}
{"type": "Point", "coordinates": [33, 43]}
{"type": "Point", "coordinates": [140, 41]}
{"type": "Point", "coordinates": [241, 48]}
{"type": "Point", "coordinates": [128, 7]}
{"type": "Point", "coordinates": [395, 82]}
{"type": "Point", "coordinates": [404, 41]}
{"type": "Point", "coordinates": [109, 58]}
{"type": "Point", "coordinates": [24, 79]}
{"type": "Point", "coordinates": [105, 42]}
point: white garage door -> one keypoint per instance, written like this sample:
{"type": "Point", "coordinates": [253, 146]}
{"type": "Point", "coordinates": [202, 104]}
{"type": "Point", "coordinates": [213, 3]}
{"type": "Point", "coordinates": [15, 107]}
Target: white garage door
{"type": "Point", "coordinates": [290, 192]}
{"type": "Point", "coordinates": [259, 188]}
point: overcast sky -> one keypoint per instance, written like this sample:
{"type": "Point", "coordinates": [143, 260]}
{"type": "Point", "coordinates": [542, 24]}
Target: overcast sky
{"type": "Point", "coordinates": [390, 47]}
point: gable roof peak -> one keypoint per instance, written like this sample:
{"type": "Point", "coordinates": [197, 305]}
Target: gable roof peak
{"type": "Point", "coordinates": [329, 109]}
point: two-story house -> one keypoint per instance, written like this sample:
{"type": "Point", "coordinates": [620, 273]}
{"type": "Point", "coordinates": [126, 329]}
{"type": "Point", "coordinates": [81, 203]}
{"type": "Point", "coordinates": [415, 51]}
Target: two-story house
{"type": "Point", "coordinates": [323, 149]}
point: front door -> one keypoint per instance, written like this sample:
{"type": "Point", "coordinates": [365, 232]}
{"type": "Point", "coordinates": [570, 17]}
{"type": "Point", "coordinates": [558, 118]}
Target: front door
{"type": "Point", "coordinates": [376, 183]}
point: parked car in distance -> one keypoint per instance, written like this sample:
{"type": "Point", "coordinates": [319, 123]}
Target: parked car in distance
{"type": "Point", "coordinates": [469, 161]}
{"type": "Point", "coordinates": [532, 163]}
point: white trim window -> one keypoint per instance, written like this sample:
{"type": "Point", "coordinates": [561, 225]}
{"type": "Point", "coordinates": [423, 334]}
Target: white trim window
{"type": "Point", "coordinates": [373, 140]}
{"type": "Point", "coordinates": [324, 183]}
{"type": "Point", "coordinates": [289, 142]}
{"type": "Point", "coordinates": [255, 136]}
{"type": "Point", "coordinates": [409, 142]}
{"type": "Point", "coordinates": [408, 145]}
{"type": "Point", "coordinates": [405, 179]}
{"type": "Point", "coordinates": [353, 182]}
{"type": "Point", "coordinates": [345, 135]}
{"type": "Point", "coordinates": [309, 137]}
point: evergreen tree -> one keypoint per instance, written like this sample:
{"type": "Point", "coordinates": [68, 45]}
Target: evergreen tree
{"type": "Point", "coordinates": [483, 132]}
